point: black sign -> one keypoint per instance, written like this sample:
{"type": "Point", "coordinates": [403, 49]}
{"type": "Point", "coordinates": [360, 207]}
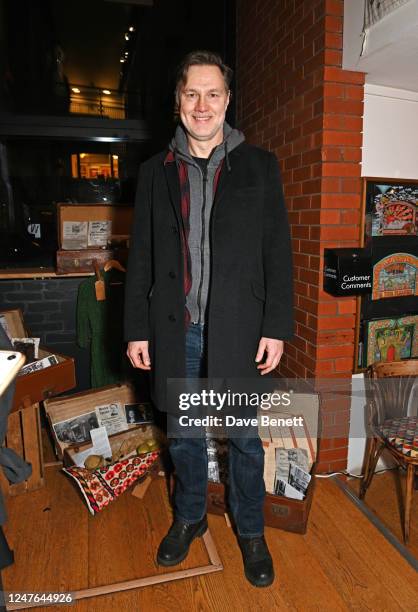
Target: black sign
{"type": "Point", "coordinates": [347, 271]}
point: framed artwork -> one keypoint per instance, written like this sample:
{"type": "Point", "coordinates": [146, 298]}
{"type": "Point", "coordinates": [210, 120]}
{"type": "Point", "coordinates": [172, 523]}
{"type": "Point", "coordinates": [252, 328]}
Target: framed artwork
{"type": "Point", "coordinates": [394, 276]}
{"type": "Point", "coordinates": [391, 339]}
{"type": "Point", "coordinates": [391, 208]}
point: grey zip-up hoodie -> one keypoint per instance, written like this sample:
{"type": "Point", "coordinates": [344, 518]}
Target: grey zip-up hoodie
{"type": "Point", "coordinates": [201, 203]}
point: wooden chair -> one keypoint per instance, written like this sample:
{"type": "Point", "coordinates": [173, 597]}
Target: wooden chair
{"type": "Point", "coordinates": [390, 426]}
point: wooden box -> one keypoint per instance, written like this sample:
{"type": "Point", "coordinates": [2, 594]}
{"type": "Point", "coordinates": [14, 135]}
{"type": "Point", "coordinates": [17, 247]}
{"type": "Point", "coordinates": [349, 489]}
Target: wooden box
{"type": "Point", "coordinates": [67, 407]}
{"type": "Point", "coordinates": [40, 385]}
{"type": "Point", "coordinates": [120, 218]}
{"type": "Point", "coordinates": [279, 512]}
{"type": "Point", "coordinates": [24, 437]}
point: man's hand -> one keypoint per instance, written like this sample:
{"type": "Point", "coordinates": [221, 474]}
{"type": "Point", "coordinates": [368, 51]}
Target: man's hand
{"type": "Point", "coordinates": [138, 354]}
{"type": "Point", "coordinates": [274, 350]}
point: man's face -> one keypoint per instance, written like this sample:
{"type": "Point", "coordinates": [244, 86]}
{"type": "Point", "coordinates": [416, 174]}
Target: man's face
{"type": "Point", "coordinates": [203, 103]}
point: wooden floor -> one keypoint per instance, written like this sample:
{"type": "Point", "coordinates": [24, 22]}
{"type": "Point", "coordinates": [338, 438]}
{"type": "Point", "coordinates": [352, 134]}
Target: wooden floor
{"type": "Point", "coordinates": [385, 498]}
{"type": "Point", "coordinates": [342, 563]}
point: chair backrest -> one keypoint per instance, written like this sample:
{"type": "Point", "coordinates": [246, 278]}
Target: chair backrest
{"type": "Point", "coordinates": [392, 384]}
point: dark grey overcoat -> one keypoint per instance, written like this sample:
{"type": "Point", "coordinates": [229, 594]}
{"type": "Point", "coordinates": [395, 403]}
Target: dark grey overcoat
{"type": "Point", "coordinates": [251, 268]}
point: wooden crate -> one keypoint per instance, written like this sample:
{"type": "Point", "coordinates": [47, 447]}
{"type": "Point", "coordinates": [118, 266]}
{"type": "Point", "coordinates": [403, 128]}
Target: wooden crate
{"type": "Point", "coordinates": [24, 437]}
{"type": "Point", "coordinates": [71, 406]}
{"type": "Point", "coordinates": [279, 512]}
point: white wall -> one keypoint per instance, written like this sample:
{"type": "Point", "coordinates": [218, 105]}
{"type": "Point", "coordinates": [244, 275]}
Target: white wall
{"type": "Point", "coordinates": [390, 133]}
{"type": "Point", "coordinates": [357, 435]}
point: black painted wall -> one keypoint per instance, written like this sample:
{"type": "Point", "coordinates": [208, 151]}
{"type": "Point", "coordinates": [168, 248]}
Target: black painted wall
{"type": "Point", "coordinates": [49, 311]}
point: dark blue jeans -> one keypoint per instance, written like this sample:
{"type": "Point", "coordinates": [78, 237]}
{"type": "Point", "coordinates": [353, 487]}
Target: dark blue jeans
{"type": "Point", "coordinates": [189, 456]}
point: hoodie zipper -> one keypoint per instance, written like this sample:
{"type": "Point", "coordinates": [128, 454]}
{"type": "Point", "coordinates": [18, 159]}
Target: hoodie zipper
{"type": "Point", "coordinates": [202, 244]}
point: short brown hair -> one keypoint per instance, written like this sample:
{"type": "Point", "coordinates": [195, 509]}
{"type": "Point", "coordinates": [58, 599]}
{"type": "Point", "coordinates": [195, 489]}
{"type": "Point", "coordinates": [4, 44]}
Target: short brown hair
{"type": "Point", "coordinates": [200, 58]}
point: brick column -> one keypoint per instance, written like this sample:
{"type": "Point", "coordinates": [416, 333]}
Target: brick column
{"type": "Point", "coordinates": [294, 99]}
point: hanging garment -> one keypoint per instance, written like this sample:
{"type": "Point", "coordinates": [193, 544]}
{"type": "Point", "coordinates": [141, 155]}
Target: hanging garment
{"type": "Point", "coordinates": [100, 328]}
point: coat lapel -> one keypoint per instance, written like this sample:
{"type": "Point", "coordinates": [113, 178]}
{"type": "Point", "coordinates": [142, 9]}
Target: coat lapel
{"type": "Point", "coordinates": [172, 178]}
{"type": "Point", "coordinates": [226, 178]}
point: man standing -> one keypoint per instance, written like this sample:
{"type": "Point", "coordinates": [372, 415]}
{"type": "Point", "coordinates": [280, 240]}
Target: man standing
{"type": "Point", "coordinates": [209, 291]}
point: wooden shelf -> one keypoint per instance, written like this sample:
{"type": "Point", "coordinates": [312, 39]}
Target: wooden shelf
{"type": "Point", "coordinates": [39, 273]}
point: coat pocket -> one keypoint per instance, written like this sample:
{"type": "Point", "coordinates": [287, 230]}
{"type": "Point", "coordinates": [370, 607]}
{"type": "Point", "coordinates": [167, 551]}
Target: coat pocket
{"type": "Point", "coordinates": [258, 291]}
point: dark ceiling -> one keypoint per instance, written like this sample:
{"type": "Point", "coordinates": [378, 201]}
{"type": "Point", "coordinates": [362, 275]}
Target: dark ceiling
{"type": "Point", "coordinates": [91, 34]}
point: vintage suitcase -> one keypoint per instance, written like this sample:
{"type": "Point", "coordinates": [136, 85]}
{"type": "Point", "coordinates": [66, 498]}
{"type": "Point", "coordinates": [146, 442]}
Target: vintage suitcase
{"type": "Point", "coordinates": [71, 408]}
{"type": "Point", "coordinates": [70, 262]}
{"type": "Point", "coordinates": [279, 512]}
{"type": "Point", "coordinates": [42, 384]}
{"type": "Point", "coordinates": [92, 232]}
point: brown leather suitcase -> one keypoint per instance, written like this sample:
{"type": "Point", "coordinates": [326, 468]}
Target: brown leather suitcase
{"type": "Point", "coordinates": [70, 262]}
{"type": "Point", "coordinates": [42, 384]}
{"type": "Point", "coordinates": [279, 512]}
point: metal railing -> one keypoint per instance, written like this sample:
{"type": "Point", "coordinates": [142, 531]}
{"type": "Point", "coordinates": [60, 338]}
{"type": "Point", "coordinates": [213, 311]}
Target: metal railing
{"type": "Point", "coordinates": [109, 103]}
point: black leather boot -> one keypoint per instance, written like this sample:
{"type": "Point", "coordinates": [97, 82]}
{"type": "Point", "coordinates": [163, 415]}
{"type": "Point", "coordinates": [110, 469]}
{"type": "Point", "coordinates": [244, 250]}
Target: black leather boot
{"type": "Point", "coordinates": [175, 546]}
{"type": "Point", "coordinates": [258, 564]}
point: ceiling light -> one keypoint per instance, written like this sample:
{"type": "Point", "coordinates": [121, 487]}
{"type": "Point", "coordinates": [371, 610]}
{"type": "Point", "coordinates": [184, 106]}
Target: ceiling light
{"type": "Point", "coordinates": [126, 36]}
{"type": "Point", "coordinates": [106, 91]}
{"type": "Point", "coordinates": [131, 29]}
{"type": "Point", "coordinates": [122, 60]}
{"type": "Point", "coordinates": [115, 156]}
{"type": "Point", "coordinates": [75, 89]}
{"type": "Point", "coordinates": [126, 53]}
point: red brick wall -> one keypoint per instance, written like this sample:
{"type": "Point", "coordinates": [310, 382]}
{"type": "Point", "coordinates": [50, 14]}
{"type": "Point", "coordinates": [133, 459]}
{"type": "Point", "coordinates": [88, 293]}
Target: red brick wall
{"type": "Point", "coordinates": [293, 98]}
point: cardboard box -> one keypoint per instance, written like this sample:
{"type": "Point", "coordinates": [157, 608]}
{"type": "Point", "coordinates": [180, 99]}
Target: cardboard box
{"type": "Point", "coordinates": [42, 384]}
{"type": "Point", "coordinates": [70, 407]}
{"type": "Point", "coordinates": [112, 223]}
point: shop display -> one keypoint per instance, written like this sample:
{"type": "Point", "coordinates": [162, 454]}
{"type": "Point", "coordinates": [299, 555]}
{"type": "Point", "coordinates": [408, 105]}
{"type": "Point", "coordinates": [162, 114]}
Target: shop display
{"type": "Point", "coordinates": [291, 450]}
{"type": "Point", "coordinates": [91, 232]}
{"type": "Point", "coordinates": [395, 276]}
{"type": "Point", "coordinates": [391, 339]}
{"type": "Point", "coordinates": [384, 328]}
{"type": "Point", "coordinates": [104, 484]}
{"type": "Point", "coordinates": [73, 418]}
{"type": "Point", "coordinates": [50, 375]}
{"type": "Point", "coordinates": [391, 208]}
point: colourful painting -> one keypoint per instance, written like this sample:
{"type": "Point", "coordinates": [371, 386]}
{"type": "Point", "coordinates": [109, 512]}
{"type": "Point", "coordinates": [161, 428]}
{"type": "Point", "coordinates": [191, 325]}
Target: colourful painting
{"type": "Point", "coordinates": [392, 209]}
{"type": "Point", "coordinates": [392, 339]}
{"type": "Point", "coordinates": [395, 276]}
